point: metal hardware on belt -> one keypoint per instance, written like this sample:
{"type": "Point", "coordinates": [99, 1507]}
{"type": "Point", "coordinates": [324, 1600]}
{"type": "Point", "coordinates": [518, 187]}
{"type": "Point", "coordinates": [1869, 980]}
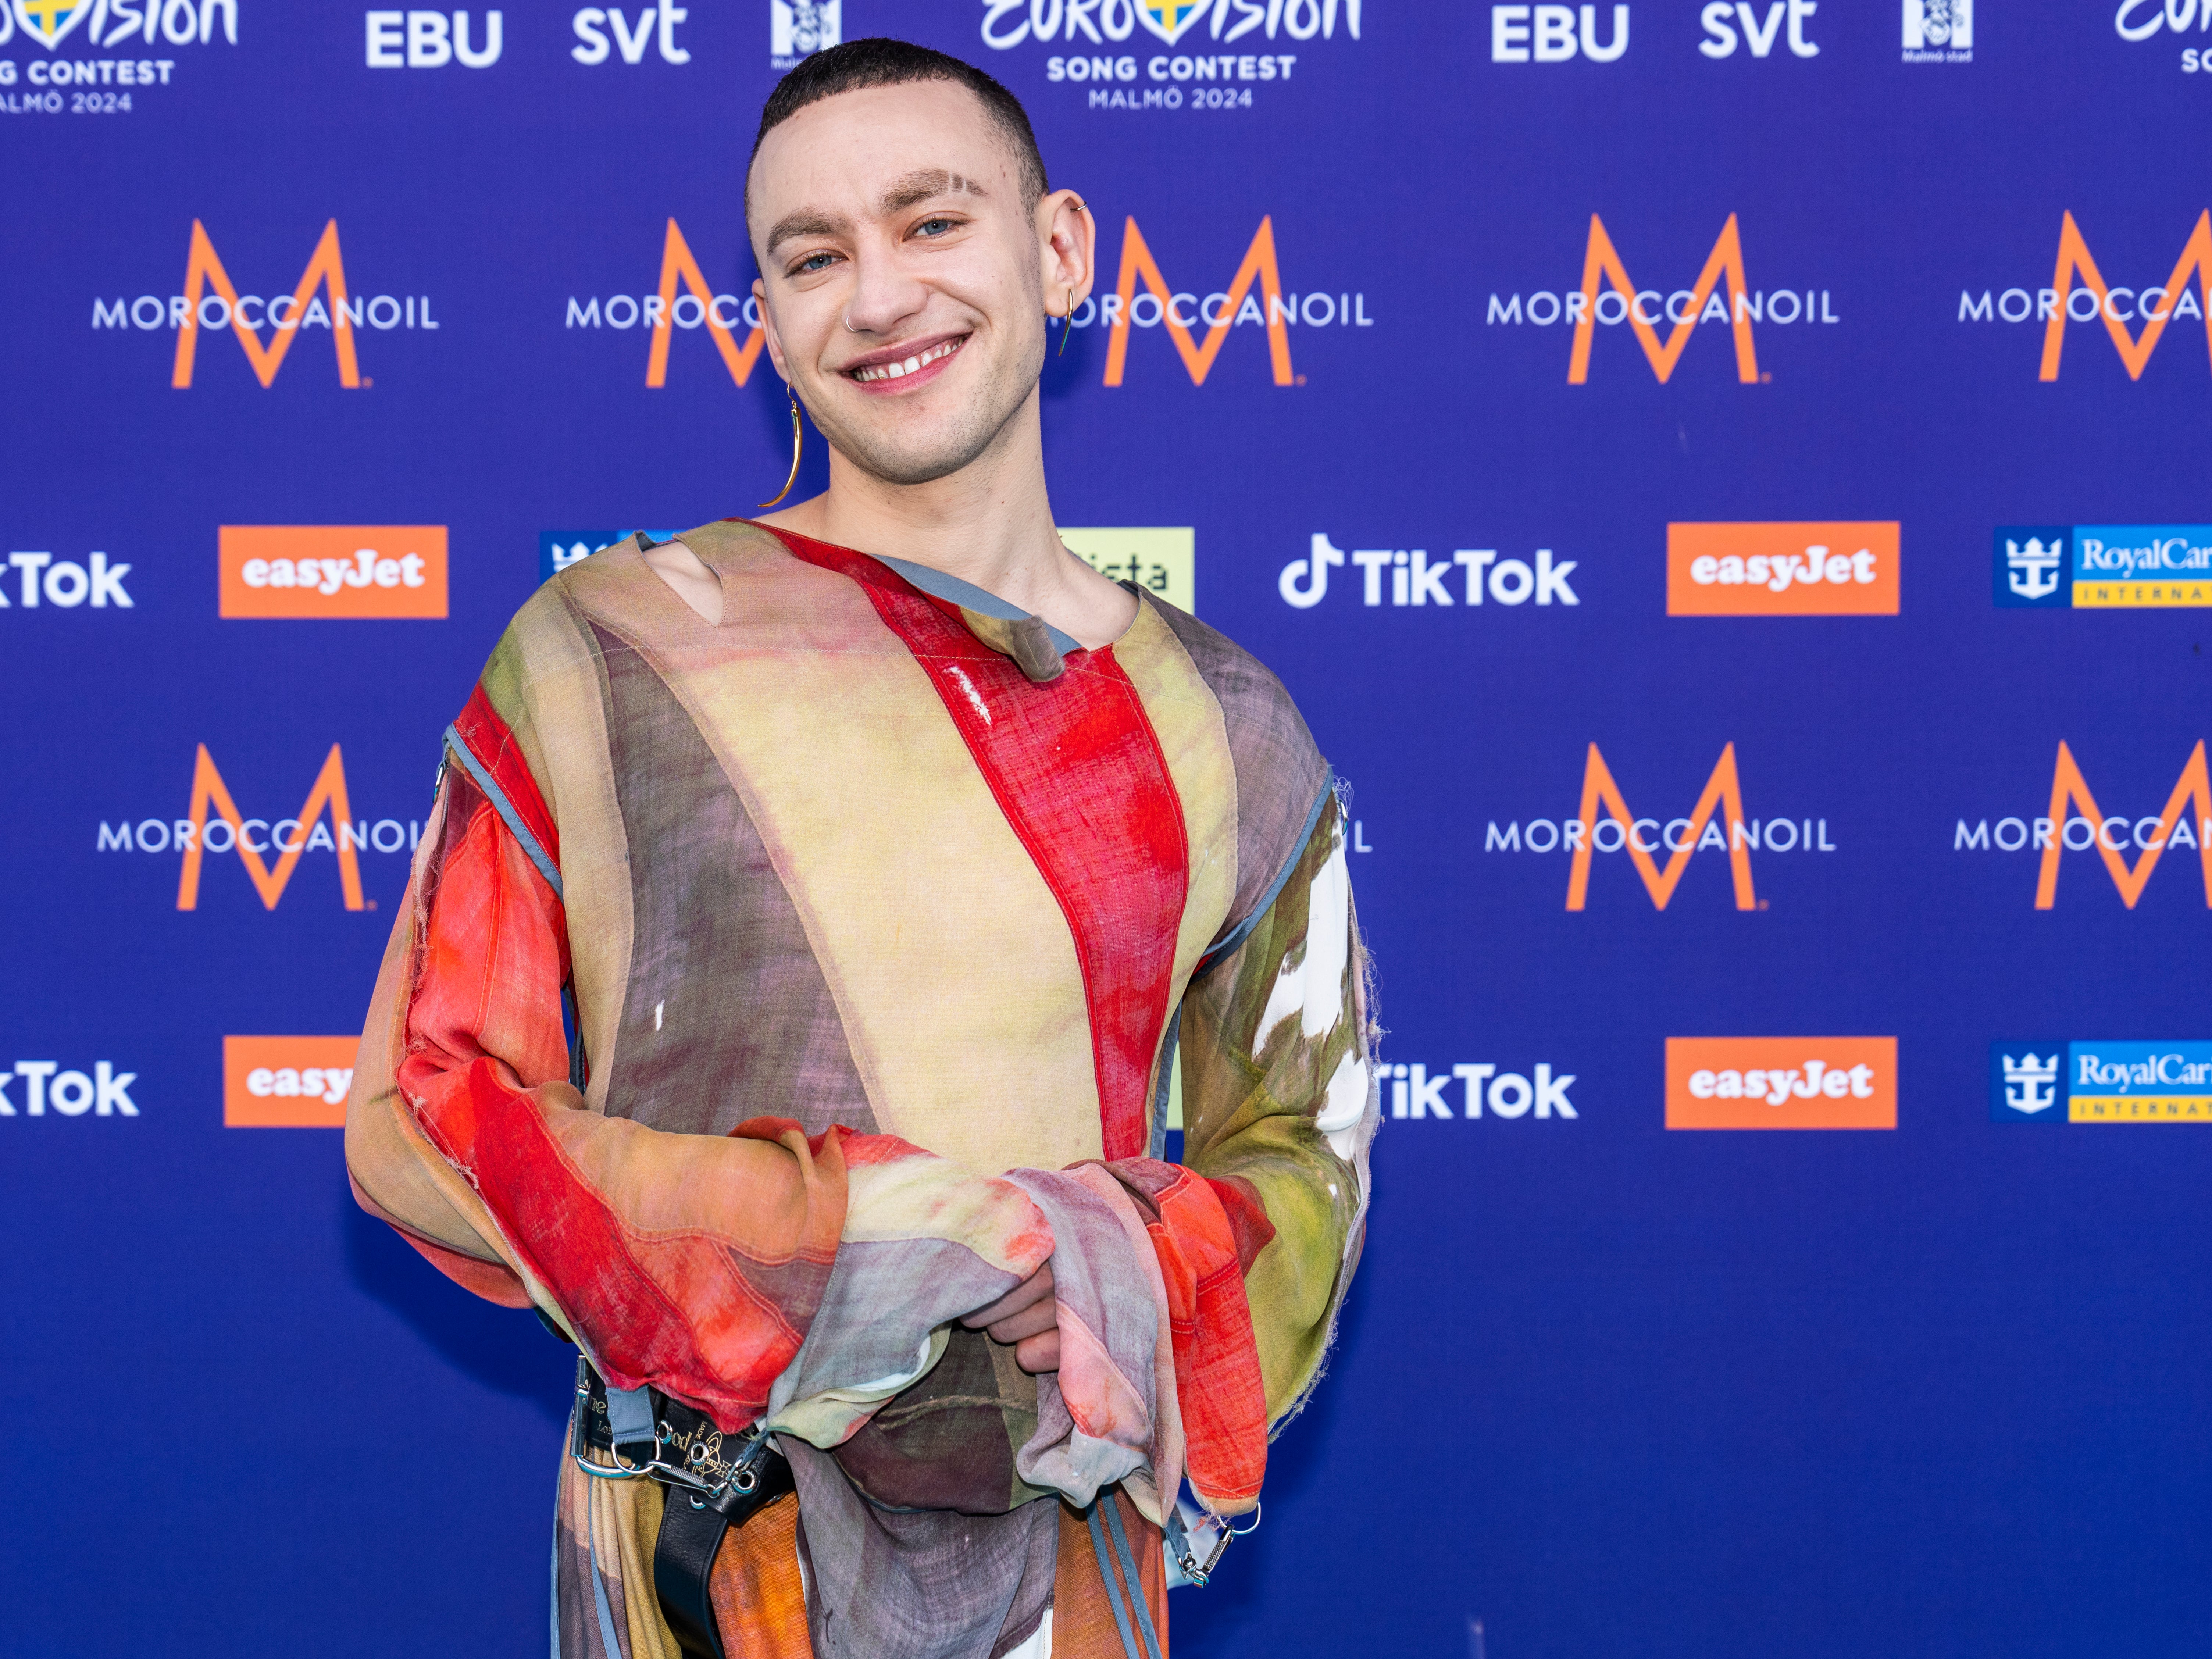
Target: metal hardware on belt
{"type": "Point", "coordinates": [692, 1458]}
{"type": "Point", "coordinates": [1182, 1534]}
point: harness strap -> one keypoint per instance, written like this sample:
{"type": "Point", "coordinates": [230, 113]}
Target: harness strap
{"type": "Point", "coordinates": [1114, 1599]}
{"type": "Point", "coordinates": [456, 747]}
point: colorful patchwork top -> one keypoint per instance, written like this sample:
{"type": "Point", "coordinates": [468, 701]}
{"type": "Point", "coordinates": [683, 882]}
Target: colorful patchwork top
{"type": "Point", "coordinates": [885, 911]}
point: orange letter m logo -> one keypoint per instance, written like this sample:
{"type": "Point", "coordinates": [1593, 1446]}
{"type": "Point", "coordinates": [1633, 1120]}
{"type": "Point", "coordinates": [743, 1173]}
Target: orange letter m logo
{"type": "Point", "coordinates": [2173, 300]}
{"type": "Point", "coordinates": [2170, 828]}
{"type": "Point", "coordinates": [1698, 830]}
{"type": "Point", "coordinates": [1726, 259]}
{"type": "Point", "coordinates": [1267, 308]}
{"type": "Point", "coordinates": [289, 836]}
{"type": "Point", "coordinates": [325, 270]}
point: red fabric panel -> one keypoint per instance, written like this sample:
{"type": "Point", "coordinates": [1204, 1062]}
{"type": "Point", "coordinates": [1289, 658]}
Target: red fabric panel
{"type": "Point", "coordinates": [492, 958]}
{"type": "Point", "coordinates": [1077, 769]}
{"type": "Point", "coordinates": [492, 742]}
{"type": "Point", "coordinates": [1248, 1218]}
{"type": "Point", "coordinates": [1218, 1384]}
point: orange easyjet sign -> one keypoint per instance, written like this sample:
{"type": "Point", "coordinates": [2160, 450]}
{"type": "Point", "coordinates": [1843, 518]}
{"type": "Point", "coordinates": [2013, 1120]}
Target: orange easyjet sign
{"type": "Point", "coordinates": [287, 1082]}
{"type": "Point", "coordinates": [319, 571]}
{"type": "Point", "coordinates": [1782, 569]}
{"type": "Point", "coordinates": [1782, 1083]}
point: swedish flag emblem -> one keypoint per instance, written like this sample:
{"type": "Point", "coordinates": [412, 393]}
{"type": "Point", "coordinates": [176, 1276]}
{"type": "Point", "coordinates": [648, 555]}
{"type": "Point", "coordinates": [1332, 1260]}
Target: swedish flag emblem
{"type": "Point", "coordinates": [47, 21]}
{"type": "Point", "coordinates": [1169, 19]}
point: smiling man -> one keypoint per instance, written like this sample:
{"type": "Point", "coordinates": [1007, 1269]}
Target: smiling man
{"type": "Point", "coordinates": [885, 857]}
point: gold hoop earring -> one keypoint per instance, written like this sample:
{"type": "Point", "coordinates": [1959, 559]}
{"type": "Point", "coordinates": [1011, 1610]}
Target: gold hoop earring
{"type": "Point", "coordinates": [794, 479]}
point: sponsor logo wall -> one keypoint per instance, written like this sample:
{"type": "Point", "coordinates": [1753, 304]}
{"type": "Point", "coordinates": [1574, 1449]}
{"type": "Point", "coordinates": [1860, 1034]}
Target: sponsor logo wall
{"type": "Point", "coordinates": [1645, 440]}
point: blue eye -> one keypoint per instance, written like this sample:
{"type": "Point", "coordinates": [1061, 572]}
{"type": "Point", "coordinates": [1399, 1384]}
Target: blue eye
{"type": "Point", "coordinates": [816, 262]}
{"type": "Point", "coordinates": [934, 226]}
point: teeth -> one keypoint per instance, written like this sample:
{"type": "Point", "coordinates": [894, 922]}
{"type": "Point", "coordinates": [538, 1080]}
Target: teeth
{"type": "Point", "coordinates": [912, 365]}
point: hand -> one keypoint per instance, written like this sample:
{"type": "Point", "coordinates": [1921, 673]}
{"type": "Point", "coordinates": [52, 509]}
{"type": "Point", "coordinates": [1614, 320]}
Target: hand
{"type": "Point", "coordinates": [1027, 1317]}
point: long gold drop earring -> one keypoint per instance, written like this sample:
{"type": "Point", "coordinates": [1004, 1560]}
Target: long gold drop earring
{"type": "Point", "coordinates": [795, 440]}
{"type": "Point", "coordinates": [1067, 322]}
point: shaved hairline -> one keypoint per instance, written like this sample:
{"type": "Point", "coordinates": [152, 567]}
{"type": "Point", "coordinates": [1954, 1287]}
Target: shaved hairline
{"type": "Point", "coordinates": [804, 224]}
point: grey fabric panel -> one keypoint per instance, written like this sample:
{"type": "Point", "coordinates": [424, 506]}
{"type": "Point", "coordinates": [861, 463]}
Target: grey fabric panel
{"type": "Point", "coordinates": [726, 1015]}
{"type": "Point", "coordinates": [1278, 768]}
{"type": "Point", "coordinates": [917, 1584]}
{"type": "Point", "coordinates": [935, 583]}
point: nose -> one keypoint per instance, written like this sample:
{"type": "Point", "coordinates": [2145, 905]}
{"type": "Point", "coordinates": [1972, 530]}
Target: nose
{"type": "Point", "coordinates": [883, 296]}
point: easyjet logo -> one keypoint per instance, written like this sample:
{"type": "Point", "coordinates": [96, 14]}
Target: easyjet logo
{"type": "Point", "coordinates": [1847, 569]}
{"type": "Point", "coordinates": [665, 310]}
{"type": "Point", "coordinates": [2130, 849]}
{"type": "Point", "coordinates": [2079, 294]}
{"type": "Point", "coordinates": [287, 1082]}
{"type": "Point", "coordinates": [212, 301]}
{"type": "Point", "coordinates": [1606, 823]}
{"type": "Point", "coordinates": [1608, 295]}
{"type": "Point", "coordinates": [1782, 1083]}
{"type": "Point", "coordinates": [320, 571]}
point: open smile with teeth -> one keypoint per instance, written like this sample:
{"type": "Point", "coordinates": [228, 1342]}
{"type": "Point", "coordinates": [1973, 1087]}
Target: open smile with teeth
{"type": "Point", "coordinates": [912, 365]}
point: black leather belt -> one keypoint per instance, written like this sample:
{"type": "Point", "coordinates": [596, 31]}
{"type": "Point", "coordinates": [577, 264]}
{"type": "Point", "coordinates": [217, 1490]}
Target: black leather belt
{"type": "Point", "coordinates": [710, 1481]}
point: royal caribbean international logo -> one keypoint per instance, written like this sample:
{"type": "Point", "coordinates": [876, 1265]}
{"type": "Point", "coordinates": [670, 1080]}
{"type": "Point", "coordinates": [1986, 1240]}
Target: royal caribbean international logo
{"type": "Point", "coordinates": [2057, 1081]}
{"type": "Point", "coordinates": [2102, 566]}
{"type": "Point", "coordinates": [559, 549]}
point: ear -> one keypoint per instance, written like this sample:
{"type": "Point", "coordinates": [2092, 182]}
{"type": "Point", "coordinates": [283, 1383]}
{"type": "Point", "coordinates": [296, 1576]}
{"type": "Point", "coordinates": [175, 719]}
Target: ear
{"type": "Point", "coordinates": [768, 328]}
{"type": "Point", "coordinates": [1067, 238]}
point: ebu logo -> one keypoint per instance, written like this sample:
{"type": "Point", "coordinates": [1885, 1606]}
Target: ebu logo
{"type": "Point", "coordinates": [2102, 566]}
{"type": "Point", "coordinates": [2086, 1082]}
{"type": "Point", "coordinates": [1782, 1083]}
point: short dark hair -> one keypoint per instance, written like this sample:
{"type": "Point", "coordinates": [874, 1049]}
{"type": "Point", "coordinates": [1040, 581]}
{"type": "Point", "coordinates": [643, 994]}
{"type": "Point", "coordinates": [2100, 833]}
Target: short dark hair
{"type": "Point", "coordinates": [878, 62]}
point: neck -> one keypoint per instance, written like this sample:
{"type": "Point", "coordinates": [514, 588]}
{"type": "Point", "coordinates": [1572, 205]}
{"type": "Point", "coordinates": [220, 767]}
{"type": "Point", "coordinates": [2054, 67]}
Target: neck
{"type": "Point", "coordinates": [989, 523]}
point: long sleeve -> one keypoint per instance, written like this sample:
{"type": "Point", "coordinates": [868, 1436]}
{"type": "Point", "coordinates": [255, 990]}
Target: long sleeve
{"type": "Point", "coordinates": [1259, 1230]}
{"type": "Point", "coordinates": [696, 1263]}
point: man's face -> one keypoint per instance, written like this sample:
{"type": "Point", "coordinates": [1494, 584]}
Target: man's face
{"type": "Point", "coordinates": [902, 273]}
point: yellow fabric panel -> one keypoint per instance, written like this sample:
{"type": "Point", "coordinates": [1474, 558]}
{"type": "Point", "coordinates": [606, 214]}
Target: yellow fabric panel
{"type": "Point", "coordinates": [948, 957]}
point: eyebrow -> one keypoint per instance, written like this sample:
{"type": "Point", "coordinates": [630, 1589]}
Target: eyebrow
{"type": "Point", "coordinates": [915, 187]}
{"type": "Point", "coordinates": [921, 185]}
{"type": "Point", "coordinates": [806, 222]}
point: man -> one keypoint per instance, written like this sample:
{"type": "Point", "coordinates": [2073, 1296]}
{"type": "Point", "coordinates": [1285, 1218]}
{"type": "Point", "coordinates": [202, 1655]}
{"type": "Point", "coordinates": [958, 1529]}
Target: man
{"type": "Point", "coordinates": [887, 855]}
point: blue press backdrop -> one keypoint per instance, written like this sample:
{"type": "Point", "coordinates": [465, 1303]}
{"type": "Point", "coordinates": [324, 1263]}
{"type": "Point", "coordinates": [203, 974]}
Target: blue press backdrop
{"type": "Point", "coordinates": [1602, 1389]}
